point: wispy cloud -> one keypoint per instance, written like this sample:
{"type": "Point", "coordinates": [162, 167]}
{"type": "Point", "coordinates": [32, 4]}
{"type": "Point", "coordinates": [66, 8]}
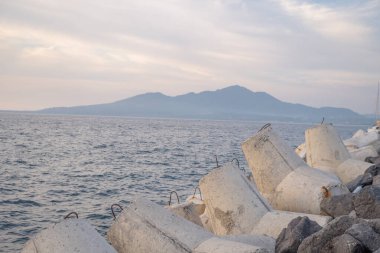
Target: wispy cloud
{"type": "Point", "coordinates": [339, 23]}
{"type": "Point", "coordinates": [115, 49]}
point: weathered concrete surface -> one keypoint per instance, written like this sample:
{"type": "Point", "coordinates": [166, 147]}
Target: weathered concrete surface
{"type": "Point", "coordinates": [236, 207]}
{"type": "Point", "coordinates": [267, 155]}
{"type": "Point", "coordinates": [261, 241]}
{"type": "Point", "coordinates": [189, 211]}
{"type": "Point", "coordinates": [196, 199]}
{"type": "Point", "coordinates": [232, 203]}
{"type": "Point", "coordinates": [280, 174]}
{"type": "Point", "coordinates": [324, 146]}
{"type": "Point", "coordinates": [350, 169]}
{"type": "Point", "coordinates": [147, 227]}
{"type": "Point", "coordinates": [363, 153]}
{"type": "Point", "coordinates": [206, 223]}
{"type": "Point", "coordinates": [315, 184]}
{"type": "Point", "coordinates": [70, 235]}
{"type": "Point", "coordinates": [326, 151]}
{"type": "Point", "coordinates": [281, 220]}
{"type": "Point", "coordinates": [301, 151]}
{"type": "Point", "coordinates": [361, 139]}
{"type": "Point", "coordinates": [217, 245]}
{"type": "Point", "coordinates": [296, 231]}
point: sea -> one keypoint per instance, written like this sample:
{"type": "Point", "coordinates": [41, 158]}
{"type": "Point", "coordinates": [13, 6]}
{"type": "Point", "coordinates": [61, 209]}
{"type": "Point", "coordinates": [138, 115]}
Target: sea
{"type": "Point", "coordinates": [51, 165]}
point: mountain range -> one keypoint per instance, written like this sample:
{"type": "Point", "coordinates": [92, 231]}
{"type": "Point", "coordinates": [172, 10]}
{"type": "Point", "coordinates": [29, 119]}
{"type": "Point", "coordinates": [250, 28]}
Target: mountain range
{"type": "Point", "coordinates": [233, 102]}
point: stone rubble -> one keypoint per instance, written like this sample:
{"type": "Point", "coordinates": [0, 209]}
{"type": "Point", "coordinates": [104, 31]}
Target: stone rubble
{"type": "Point", "coordinates": [297, 230]}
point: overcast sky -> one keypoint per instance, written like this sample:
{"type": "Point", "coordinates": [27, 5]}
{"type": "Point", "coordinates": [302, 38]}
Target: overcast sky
{"type": "Point", "coordinates": [71, 52]}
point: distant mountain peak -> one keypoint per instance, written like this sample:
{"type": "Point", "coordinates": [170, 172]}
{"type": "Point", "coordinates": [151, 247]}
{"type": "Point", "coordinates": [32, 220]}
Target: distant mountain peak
{"type": "Point", "coordinates": [232, 102]}
{"type": "Point", "coordinates": [235, 88]}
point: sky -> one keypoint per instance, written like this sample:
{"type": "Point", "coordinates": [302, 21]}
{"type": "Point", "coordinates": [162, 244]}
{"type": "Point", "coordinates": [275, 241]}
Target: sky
{"type": "Point", "coordinates": [76, 52]}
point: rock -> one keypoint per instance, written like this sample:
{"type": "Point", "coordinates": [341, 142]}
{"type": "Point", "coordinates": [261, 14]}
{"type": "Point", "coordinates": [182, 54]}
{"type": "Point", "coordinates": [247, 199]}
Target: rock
{"type": "Point", "coordinates": [292, 236]}
{"type": "Point", "coordinates": [362, 180]}
{"type": "Point", "coordinates": [374, 160]}
{"type": "Point", "coordinates": [375, 224]}
{"type": "Point", "coordinates": [347, 244]}
{"type": "Point", "coordinates": [353, 214]}
{"type": "Point", "coordinates": [366, 179]}
{"type": "Point", "coordinates": [338, 205]}
{"type": "Point", "coordinates": [321, 241]}
{"type": "Point", "coordinates": [358, 189]}
{"type": "Point", "coordinates": [367, 203]}
{"type": "Point", "coordinates": [364, 233]}
{"type": "Point", "coordinates": [376, 180]}
{"type": "Point", "coordinates": [374, 170]}
{"type": "Point", "coordinates": [352, 185]}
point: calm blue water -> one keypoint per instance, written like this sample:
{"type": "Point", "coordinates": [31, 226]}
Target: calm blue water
{"type": "Point", "coordinates": [51, 165]}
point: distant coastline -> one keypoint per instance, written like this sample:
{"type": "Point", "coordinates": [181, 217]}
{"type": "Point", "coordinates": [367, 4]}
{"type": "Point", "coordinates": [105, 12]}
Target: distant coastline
{"type": "Point", "coordinates": [230, 103]}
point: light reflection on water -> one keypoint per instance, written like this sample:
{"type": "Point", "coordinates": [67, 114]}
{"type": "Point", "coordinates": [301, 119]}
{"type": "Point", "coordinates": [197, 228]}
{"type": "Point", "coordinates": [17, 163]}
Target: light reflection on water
{"type": "Point", "coordinates": [51, 165]}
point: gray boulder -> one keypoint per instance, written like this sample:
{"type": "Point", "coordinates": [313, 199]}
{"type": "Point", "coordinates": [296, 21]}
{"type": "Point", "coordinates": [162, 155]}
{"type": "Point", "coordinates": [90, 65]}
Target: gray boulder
{"type": "Point", "coordinates": [376, 181]}
{"type": "Point", "coordinates": [364, 233]}
{"type": "Point", "coordinates": [375, 224]}
{"type": "Point", "coordinates": [354, 183]}
{"type": "Point", "coordinates": [362, 180]}
{"type": "Point", "coordinates": [374, 160]}
{"type": "Point", "coordinates": [366, 179]}
{"type": "Point", "coordinates": [336, 206]}
{"type": "Point", "coordinates": [347, 244]}
{"type": "Point", "coordinates": [373, 170]}
{"type": "Point", "coordinates": [296, 231]}
{"type": "Point", "coordinates": [322, 241]}
{"type": "Point", "coordinates": [367, 203]}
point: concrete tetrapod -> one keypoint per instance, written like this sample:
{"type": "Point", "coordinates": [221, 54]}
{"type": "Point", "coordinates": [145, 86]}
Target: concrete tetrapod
{"type": "Point", "coordinates": [189, 210]}
{"type": "Point", "coordinates": [326, 151]}
{"type": "Point", "coordinates": [363, 153]}
{"type": "Point", "coordinates": [145, 227]}
{"type": "Point", "coordinates": [284, 178]}
{"type": "Point", "coordinates": [70, 235]}
{"type": "Point", "coordinates": [361, 139]}
{"type": "Point", "coordinates": [235, 206]}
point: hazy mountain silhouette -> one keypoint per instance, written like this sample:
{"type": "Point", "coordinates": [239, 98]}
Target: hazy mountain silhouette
{"type": "Point", "coordinates": [234, 102]}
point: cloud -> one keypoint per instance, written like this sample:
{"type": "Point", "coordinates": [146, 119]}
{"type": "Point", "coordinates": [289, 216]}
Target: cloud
{"type": "Point", "coordinates": [336, 23]}
{"type": "Point", "coordinates": [115, 49]}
